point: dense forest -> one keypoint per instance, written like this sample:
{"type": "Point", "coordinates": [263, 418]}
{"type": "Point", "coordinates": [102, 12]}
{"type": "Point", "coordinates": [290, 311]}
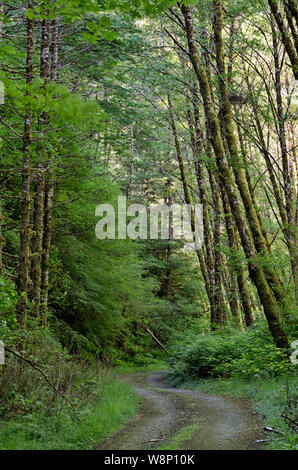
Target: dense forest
{"type": "Point", "coordinates": [162, 104]}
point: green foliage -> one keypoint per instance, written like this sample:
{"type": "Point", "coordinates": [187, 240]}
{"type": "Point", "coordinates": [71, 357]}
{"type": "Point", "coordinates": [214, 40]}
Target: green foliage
{"type": "Point", "coordinates": [8, 299]}
{"type": "Point", "coordinates": [110, 408]}
{"type": "Point", "coordinates": [257, 361]}
{"type": "Point", "coordinates": [269, 398]}
{"type": "Point", "coordinates": [227, 353]}
{"type": "Point", "coordinates": [7, 296]}
{"type": "Point", "coordinates": [97, 286]}
{"type": "Point", "coordinates": [106, 114]}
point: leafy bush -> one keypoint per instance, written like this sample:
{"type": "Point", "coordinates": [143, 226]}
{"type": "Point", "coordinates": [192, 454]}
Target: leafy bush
{"type": "Point", "coordinates": [224, 354]}
{"type": "Point", "coordinates": [8, 299]}
{"type": "Point", "coordinates": [48, 378]}
{"type": "Point", "coordinates": [7, 296]}
{"type": "Point", "coordinates": [265, 361]}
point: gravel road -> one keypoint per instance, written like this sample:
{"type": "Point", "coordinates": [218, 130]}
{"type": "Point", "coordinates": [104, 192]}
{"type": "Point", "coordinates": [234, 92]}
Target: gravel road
{"type": "Point", "coordinates": [218, 421]}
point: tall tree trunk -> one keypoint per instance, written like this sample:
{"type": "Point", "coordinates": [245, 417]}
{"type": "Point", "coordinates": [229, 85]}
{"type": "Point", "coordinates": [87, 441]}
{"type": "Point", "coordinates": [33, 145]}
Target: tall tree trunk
{"type": "Point", "coordinates": [23, 271]}
{"type": "Point", "coordinates": [1, 240]}
{"type": "Point", "coordinates": [252, 218]}
{"type": "Point", "coordinates": [36, 245]}
{"type": "Point", "coordinates": [132, 150]}
{"type": "Point", "coordinates": [39, 183]}
{"type": "Point", "coordinates": [239, 274]}
{"type": "Point", "coordinates": [291, 22]}
{"type": "Point", "coordinates": [196, 141]}
{"type": "Point", "coordinates": [167, 280]}
{"type": "Point", "coordinates": [294, 181]}
{"type": "Point", "coordinates": [49, 187]}
{"type": "Point", "coordinates": [47, 237]}
{"type": "Point", "coordinates": [249, 183]}
{"type": "Point", "coordinates": [54, 49]}
{"type": "Point", "coordinates": [286, 38]}
{"type": "Point", "coordinates": [218, 267]}
{"type": "Point", "coordinates": [188, 200]}
{"type": "Point", "coordinates": [267, 158]}
{"type": "Point", "coordinates": [255, 270]}
{"type": "Point", "coordinates": [293, 8]}
{"type": "Point", "coordinates": [1, 215]}
{"type": "Point", "coordinates": [218, 264]}
{"type": "Point", "coordinates": [290, 228]}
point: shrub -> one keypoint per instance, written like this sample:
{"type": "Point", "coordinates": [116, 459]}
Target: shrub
{"type": "Point", "coordinates": [265, 361]}
{"type": "Point", "coordinates": [50, 380]}
{"type": "Point", "coordinates": [226, 353]}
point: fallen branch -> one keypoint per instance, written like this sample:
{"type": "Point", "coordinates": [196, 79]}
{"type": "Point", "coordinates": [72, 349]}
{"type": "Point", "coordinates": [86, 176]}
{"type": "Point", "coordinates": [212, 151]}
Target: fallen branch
{"type": "Point", "coordinates": [267, 428]}
{"type": "Point", "coordinates": [45, 378]}
{"type": "Point", "coordinates": [291, 422]}
{"type": "Point", "coordinates": [156, 339]}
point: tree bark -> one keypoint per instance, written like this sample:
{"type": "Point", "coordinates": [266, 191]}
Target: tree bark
{"type": "Point", "coordinates": [47, 237]}
{"type": "Point", "coordinates": [240, 275]}
{"type": "Point", "coordinates": [290, 228]}
{"type": "Point", "coordinates": [49, 186]}
{"type": "Point", "coordinates": [1, 240]}
{"type": "Point", "coordinates": [255, 270]}
{"type": "Point", "coordinates": [286, 39]}
{"type": "Point", "coordinates": [188, 200]}
{"type": "Point", "coordinates": [218, 261]}
{"type": "Point", "coordinates": [196, 140]}
{"type": "Point", "coordinates": [23, 271]}
{"type": "Point", "coordinates": [39, 182]}
{"type": "Point", "coordinates": [36, 244]}
{"type": "Point", "coordinates": [1, 215]}
{"type": "Point", "coordinates": [227, 119]}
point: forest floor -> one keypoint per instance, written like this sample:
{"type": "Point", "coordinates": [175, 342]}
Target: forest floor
{"type": "Point", "coordinates": [173, 418]}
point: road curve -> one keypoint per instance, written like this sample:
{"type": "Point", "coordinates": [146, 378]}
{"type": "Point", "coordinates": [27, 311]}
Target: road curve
{"type": "Point", "coordinates": [218, 421]}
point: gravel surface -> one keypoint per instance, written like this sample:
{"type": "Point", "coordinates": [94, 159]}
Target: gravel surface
{"type": "Point", "coordinates": [219, 422]}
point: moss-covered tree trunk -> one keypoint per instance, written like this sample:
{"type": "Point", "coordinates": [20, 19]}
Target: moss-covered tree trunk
{"type": "Point", "coordinates": [239, 273]}
{"type": "Point", "coordinates": [188, 199]}
{"type": "Point", "coordinates": [290, 224]}
{"type": "Point", "coordinates": [243, 156]}
{"type": "Point", "coordinates": [36, 245]}
{"type": "Point", "coordinates": [23, 269]}
{"type": "Point", "coordinates": [1, 240]}
{"type": "Point", "coordinates": [39, 181]}
{"type": "Point", "coordinates": [196, 142]}
{"type": "Point", "coordinates": [51, 68]}
{"type": "Point", "coordinates": [1, 215]}
{"type": "Point", "coordinates": [255, 270]}
{"type": "Point", "coordinates": [220, 305]}
{"type": "Point", "coordinates": [240, 178]}
{"type": "Point", "coordinates": [285, 34]}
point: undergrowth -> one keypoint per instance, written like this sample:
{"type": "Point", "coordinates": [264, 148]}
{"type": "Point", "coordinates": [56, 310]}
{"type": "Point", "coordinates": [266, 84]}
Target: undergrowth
{"type": "Point", "coordinates": [243, 364]}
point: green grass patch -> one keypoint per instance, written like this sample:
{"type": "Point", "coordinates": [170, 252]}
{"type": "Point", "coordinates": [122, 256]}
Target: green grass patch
{"type": "Point", "coordinates": [113, 410]}
{"type": "Point", "coordinates": [131, 368]}
{"type": "Point", "coordinates": [182, 437]}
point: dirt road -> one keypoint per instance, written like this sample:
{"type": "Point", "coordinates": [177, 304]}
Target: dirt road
{"type": "Point", "coordinates": [213, 421]}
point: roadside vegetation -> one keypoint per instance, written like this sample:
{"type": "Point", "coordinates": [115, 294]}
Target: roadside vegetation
{"type": "Point", "coordinates": [187, 106]}
{"type": "Point", "coordinates": [57, 401]}
{"type": "Point", "coordinates": [245, 365]}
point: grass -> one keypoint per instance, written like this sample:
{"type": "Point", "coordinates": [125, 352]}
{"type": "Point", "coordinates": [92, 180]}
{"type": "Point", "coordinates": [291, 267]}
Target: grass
{"type": "Point", "coordinates": [131, 368]}
{"type": "Point", "coordinates": [267, 397]}
{"type": "Point", "coordinates": [183, 436]}
{"type": "Point", "coordinates": [35, 431]}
